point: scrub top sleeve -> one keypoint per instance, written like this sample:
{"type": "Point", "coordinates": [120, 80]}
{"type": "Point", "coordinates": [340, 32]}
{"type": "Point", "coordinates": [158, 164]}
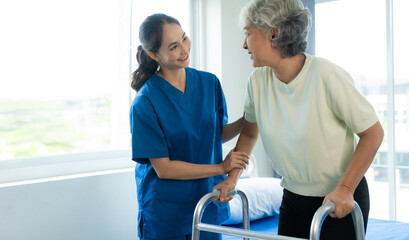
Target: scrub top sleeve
{"type": "Point", "coordinates": [221, 103]}
{"type": "Point", "coordinates": [250, 113]}
{"type": "Point", "coordinates": [148, 139]}
{"type": "Point", "coordinates": [349, 104]}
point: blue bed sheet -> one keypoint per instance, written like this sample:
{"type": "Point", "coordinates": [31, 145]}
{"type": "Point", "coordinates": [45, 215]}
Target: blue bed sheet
{"type": "Point", "coordinates": [377, 229]}
{"type": "Point", "coordinates": [266, 225]}
{"type": "Point", "coordinates": [387, 230]}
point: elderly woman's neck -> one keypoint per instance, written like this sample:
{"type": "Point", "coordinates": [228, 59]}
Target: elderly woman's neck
{"type": "Point", "coordinates": [287, 69]}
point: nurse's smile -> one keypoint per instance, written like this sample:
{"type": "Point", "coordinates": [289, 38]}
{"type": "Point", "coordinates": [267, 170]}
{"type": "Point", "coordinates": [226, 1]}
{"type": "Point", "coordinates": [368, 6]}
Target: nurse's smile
{"type": "Point", "coordinates": [184, 59]}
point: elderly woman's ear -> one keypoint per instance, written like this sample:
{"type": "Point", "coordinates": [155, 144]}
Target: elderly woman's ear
{"type": "Point", "coordinates": [274, 33]}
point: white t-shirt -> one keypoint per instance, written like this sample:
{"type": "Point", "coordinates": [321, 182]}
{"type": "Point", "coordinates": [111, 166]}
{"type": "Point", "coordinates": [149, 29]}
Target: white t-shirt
{"type": "Point", "coordinates": [307, 126]}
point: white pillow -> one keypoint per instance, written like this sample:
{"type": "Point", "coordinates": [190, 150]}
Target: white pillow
{"type": "Point", "coordinates": [264, 196]}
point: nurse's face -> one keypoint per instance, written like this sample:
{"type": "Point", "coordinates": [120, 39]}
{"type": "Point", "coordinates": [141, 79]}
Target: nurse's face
{"type": "Point", "coordinates": [258, 44]}
{"type": "Point", "coordinates": [174, 52]}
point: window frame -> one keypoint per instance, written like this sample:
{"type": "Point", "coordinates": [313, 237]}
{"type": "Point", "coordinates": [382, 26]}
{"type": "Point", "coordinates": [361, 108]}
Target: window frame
{"type": "Point", "coordinates": [27, 170]}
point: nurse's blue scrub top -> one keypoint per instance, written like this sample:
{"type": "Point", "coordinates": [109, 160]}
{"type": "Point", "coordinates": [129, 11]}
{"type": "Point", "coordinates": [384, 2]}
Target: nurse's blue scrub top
{"type": "Point", "coordinates": [166, 122]}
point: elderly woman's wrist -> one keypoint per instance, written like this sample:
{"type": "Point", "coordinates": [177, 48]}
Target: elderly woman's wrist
{"type": "Point", "coordinates": [345, 187]}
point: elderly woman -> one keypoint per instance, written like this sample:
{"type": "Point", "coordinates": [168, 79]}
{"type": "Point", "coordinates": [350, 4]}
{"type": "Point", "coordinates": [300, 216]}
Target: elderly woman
{"type": "Point", "coordinates": [307, 111]}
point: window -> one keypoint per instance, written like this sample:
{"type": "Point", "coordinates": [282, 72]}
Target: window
{"type": "Point", "coordinates": [354, 35]}
{"type": "Point", "coordinates": [401, 85]}
{"type": "Point", "coordinates": [64, 77]}
{"type": "Point", "coordinates": [65, 83]}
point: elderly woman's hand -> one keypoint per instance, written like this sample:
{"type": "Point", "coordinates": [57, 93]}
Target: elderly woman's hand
{"type": "Point", "coordinates": [228, 184]}
{"type": "Point", "coordinates": [343, 197]}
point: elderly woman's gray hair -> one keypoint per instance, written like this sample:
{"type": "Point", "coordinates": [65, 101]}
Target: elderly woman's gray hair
{"type": "Point", "coordinates": [291, 18]}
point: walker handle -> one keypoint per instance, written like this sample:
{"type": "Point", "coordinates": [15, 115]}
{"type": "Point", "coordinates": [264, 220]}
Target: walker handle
{"type": "Point", "coordinates": [216, 193]}
{"type": "Point", "coordinates": [201, 205]}
{"type": "Point", "coordinates": [328, 208]}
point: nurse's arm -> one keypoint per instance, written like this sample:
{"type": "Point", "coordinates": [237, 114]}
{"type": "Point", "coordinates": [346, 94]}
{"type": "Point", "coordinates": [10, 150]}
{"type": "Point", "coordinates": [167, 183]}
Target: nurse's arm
{"type": "Point", "coordinates": [246, 142]}
{"type": "Point", "coordinates": [231, 130]}
{"type": "Point", "coordinates": [181, 170]}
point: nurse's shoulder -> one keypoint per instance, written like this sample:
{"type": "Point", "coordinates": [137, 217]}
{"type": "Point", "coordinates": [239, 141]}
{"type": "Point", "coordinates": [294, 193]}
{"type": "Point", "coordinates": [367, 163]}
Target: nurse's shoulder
{"type": "Point", "coordinates": [142, 100]}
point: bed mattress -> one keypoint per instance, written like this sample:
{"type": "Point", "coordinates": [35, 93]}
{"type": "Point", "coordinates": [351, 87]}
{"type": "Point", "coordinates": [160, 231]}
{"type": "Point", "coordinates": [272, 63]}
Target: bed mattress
{"type": "Point", "coordinates": [377, 229]}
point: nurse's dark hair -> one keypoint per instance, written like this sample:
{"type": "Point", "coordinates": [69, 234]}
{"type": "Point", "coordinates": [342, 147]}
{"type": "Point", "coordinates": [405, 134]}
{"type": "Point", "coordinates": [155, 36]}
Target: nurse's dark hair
{"type": "Point", "coordinates": [291, 18]}
{"type": "Point", "coordinates": [150, 36]}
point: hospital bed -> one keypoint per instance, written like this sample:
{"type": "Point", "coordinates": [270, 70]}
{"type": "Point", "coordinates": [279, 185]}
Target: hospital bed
{"type": "Point", "coordinates": [255, 210]}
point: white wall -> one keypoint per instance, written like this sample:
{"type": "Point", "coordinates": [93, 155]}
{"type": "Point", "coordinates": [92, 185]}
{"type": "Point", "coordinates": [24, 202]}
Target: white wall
{"type": "Point", "coordinates": [233, 65]}
{"type": "Point", "coordinates": [99, 207]}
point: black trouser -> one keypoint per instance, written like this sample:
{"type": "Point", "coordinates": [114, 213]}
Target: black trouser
{"type": "Point", "coordinates": [296, 213]}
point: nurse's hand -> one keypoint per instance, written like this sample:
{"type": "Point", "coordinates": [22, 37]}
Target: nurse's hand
{"type": "Point", "coordinates": [344, 201]}
{"type": "Point", "coordinates": [234, 160]}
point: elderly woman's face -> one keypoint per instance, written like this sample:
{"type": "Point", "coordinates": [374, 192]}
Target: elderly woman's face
{"type": "Point", "coordinates": [258, 44]}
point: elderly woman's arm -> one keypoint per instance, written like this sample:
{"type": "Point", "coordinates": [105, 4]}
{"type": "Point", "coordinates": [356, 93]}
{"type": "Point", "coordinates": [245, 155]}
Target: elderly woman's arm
{"type": "Point", "coordinates": [246, 142]}
{"type": "Point", "coordinates": [369, 142]}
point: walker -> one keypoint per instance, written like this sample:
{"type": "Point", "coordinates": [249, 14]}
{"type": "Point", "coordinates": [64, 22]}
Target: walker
{"type": "Point", "coordinates": [246, 233]}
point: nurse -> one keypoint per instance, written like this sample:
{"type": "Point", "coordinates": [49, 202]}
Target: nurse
{"type": "Point", "coordinates": [178, 122]}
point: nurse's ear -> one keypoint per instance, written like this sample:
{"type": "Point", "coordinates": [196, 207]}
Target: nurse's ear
{"type": "Point", "coordinates": [153, 56]}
